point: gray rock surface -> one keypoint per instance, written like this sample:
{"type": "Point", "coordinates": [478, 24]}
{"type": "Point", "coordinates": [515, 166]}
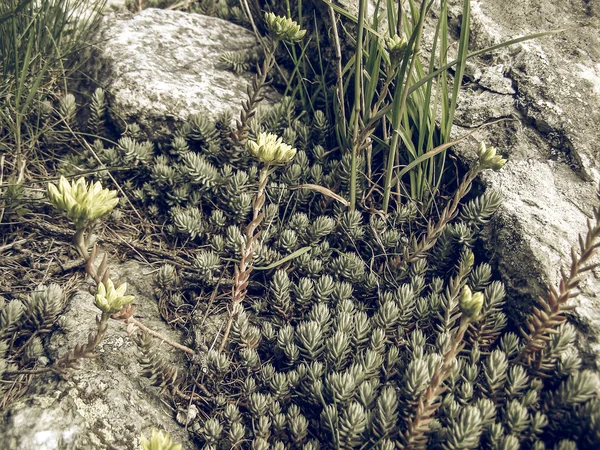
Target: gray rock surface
{"type": "Point", "coordinates": [116, 4]}
{"type": "Point", "coordinates": [161, 66]}
{"type": "Point", "coordinates": [550, 88]}
{"type": "Point", "coordinates": [105, 404]}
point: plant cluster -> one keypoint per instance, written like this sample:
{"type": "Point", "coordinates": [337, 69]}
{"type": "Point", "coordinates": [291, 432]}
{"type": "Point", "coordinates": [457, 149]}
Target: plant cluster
{"type": "Point", "coordinates": [347, 327]}
{"type": "Point", "coordinates": [84, 204]}
{"type": "Point", "coordinates": [345, 348]}
{"type": "Point", "coordinates": [24, 325]}
{"type": "Point", "coordinates": [38, 42]}
{"type": "Point", "coordinates": [357, 329]}
{"type": "Point", "coordinates": [389, 90]}
{"type": "Point", "coordinates": [36, 39]}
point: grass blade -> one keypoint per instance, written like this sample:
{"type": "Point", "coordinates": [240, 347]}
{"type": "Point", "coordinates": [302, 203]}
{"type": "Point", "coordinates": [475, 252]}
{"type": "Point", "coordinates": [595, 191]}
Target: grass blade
{"type": "Point", "coordinates": [357, 99]}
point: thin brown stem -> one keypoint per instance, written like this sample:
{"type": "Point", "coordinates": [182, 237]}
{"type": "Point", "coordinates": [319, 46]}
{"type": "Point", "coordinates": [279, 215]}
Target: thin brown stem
{"type": "Point", "coordinates": [100, 274]}
{"type": "Point", "coordinates": [85, 350]}
{"type": "Point", "coordinates": [384, 92]}
{"type": "Point", "coordinates": [415, 434]}
{"type": "Point", "coordinates": [80, 241]}
{"type": "Point", "coordinates": [32, 372]}
{"type": "Point", "coordinates": [190, 397]}
{"type": "Point", "coordinates": [12, 244]}
{"type": "Point", "coordinates": [156, 334]}
{"type": "Point", "coordinates": [24, 346]}
{"type": "Point", "coordinates": [243, 270]}
{"type": "Point", "coordinates": [418, 249]}
{"type": "Point", "coordinates": [80, 351]}
{"type": "Point", "coordinates": [240, 136]}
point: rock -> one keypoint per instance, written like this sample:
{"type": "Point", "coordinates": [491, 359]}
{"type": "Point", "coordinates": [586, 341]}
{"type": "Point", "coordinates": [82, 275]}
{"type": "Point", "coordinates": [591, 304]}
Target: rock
{"type": "Point", "coordinates": [161, 66]}
{"type": "Point", "coordinates": [115, 4]}
{"type": "Point", "coordinates": [105, 404]}
{"type": "Point", "coordinates": [545, 207]}
{"type": "Point", "coordinates": [552, 85]}
{"type": "Point", "coordinates": [493, 79]}
{"type": "Point", "coordinates": [480, 106]}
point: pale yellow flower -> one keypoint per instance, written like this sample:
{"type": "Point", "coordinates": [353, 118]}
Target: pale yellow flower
{"type": "Point", "coordinates": [81, 202]}
{"type": "Point", "coordinates": [396, 47]}
{"type": "Point", "coordinates": [159, 441]}
{"type": "Point", "coordinates": [270, 149]}
{"type": "Point", "coordinates": [470, 304]}
{"type": "Point", "coordinates": [283, 29]}
{"type": "Point", "coordinates": [110, 299]}
{"type": "Point", "coordinates": [469, 258]}
{"type": "Point", "coordinates": [488, 159]}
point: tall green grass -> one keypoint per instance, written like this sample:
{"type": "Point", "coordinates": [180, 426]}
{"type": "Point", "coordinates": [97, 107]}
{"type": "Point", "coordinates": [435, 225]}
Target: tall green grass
{"type": "Point", "coordinates": [402, 118]}
{"type": "Point", "coordinates": [38, 40]}
{"type": "Point", "coordinates": [396, 114]}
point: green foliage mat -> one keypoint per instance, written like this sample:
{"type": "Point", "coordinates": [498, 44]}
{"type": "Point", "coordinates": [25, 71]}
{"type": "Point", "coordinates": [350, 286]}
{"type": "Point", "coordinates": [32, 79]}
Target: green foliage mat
{"type": "Point", "coordinates": [347, 339]}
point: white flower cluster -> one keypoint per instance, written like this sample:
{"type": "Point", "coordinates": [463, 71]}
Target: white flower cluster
{"type": "Point", "coordinates": [82, 203]}
{"type": "Point", "coordinates": [270, 149]}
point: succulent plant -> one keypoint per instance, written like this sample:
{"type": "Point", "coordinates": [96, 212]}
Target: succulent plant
{"type": "Point", "coordinates": [356, 330]}
{"type": "Point", "coordinates": [384, 333]}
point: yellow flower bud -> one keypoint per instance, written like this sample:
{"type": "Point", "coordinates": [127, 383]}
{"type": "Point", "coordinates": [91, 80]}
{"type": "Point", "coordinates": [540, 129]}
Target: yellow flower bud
{"type": "Point", "coordinates": [81, 202]}
{"type": "Point", "coordinates": [270, 149]}
{"type": "Point", "coordinates": [470, 304]}
{"type": "Point", "coordinates": [110, 299]}
{"type": "Point", "coordinates": [283, 29]}
{"type": "Point", "coordinates": [396, 47]}
{"type": "Point", "coordinates": [488, 159]}
{"type": "Point", "coordinates": [469, 258]}
{"type": "Point", "coordinates": [159, 441]}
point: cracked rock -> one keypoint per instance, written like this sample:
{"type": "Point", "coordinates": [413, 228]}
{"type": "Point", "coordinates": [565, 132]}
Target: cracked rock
{"type": "Point", "coordinates": [553, 165]}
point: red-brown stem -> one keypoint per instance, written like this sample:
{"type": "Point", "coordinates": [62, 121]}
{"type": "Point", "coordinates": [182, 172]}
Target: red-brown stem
{"type": "Point", "coordinates": [418, 250]}
{"type": "Point", "coordinates": [80, 243]}
{"type": "Point", "coordinates": [24, 346]}
{"type": "Point", "coordinates": [544, 320]}
{"type": "Point", "coordinates": [367, 131]}
{"type": "Point", "coordinates": [100, 274]}
{"type": "Point", "coordinates": [243, 270]}
{"type": "Point", "coordinates": [249, 107]}
{"type": "Point", "coordinates": [414, 436]}
{"type": "Point", "coordinates": [79, 352]}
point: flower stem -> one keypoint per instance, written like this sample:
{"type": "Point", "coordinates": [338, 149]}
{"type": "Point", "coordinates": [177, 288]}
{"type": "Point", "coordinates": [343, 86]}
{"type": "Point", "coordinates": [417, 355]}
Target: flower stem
{"type": "Point", "coordinates": [240, 136]}
{"type": "Point", "coordinates": [157, 335]}
{"type": "Point", "coordinates": [243, 270]}
{"type": "Point", "coordinates": [415, 434]}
